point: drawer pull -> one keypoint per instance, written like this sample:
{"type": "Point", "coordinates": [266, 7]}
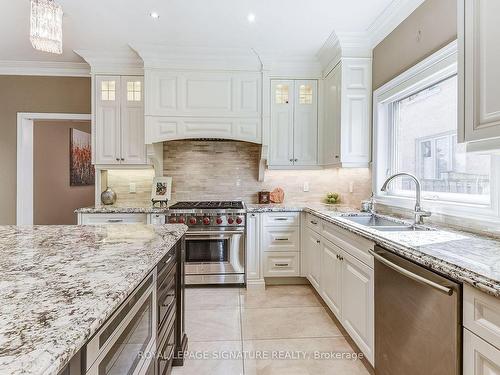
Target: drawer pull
{"type": "Point", "coordinates": [169, 259]}
{"type": "Point", "coordinates": [314, 222]}
{"type": "Point", "coordinates": [281, 264]}
{"type": "Point", "coordinates": [281, 239]}
{"type": "Point", "coordinates": [171, 301]}
{"type": "Point", "coordinates": [318, 241]}
{"type": "Point", "coordinates": [115, 220]}
{"type": "Point", "coordinates": [281, 219]}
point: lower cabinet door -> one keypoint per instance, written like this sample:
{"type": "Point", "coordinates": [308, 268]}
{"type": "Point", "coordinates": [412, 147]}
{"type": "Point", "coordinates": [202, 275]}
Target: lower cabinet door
{"type": "Point", "coordinates": [331, 276]}
{"type": "Point", "coordinates": [358, 303]}
{"type": "Point", "coordinates": [480, 358]}
{"type": "Point", "coordinates": [313, 249]}
{"type": "Point", "coordinates": [281, 264]}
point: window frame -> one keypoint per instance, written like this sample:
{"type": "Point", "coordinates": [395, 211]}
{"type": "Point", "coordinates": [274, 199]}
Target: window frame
{"type": "Point", "coordinates": [439, 66]}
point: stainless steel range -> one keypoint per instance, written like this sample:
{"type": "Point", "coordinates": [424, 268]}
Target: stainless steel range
{"type": "Point", "coordinates": [215, 241]}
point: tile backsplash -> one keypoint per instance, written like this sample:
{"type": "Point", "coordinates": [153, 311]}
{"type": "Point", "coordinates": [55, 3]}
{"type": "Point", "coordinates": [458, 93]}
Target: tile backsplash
{"type": "Point", "coordinates": [120, 180]}
{"type": "Point", "coordinates": [229, 170]}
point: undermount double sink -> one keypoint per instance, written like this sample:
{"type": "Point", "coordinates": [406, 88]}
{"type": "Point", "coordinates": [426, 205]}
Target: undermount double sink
{"type": "Point", "coordinates": [384, 225]}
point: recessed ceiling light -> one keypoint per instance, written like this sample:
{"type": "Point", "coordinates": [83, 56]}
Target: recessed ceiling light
{"type": "Point", "coordinates": [251, 18]}
{"type": "Point", "coordinates": [154, 15]}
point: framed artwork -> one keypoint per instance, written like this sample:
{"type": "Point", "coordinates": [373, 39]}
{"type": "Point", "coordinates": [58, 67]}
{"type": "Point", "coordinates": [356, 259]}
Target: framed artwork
{"type": "Point", "coordinates": [81, 170]}
{"type": "Point", "coordinates": [162, 189]}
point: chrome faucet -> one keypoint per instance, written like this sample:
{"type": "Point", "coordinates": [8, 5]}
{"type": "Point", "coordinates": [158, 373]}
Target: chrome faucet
{"type": "Point", "coordinates": [419, 214]}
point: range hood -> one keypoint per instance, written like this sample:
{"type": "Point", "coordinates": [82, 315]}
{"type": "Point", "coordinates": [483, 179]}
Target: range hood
{"type": "Point", "coordinates": [201, 93]}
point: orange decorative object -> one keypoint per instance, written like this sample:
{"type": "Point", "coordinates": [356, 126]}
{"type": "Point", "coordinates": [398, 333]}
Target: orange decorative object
{"type": "Point", "coordinates": [277, 195]}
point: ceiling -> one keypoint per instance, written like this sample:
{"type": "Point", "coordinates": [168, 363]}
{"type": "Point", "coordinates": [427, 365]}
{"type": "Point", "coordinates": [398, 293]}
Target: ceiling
{"type": "Point", "coordinates": [295, 27]}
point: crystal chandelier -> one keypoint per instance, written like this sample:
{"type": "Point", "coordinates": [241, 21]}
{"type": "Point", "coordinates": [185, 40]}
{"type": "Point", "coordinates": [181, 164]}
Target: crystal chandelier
{"type": "Point", "coordinates": [46, 26]}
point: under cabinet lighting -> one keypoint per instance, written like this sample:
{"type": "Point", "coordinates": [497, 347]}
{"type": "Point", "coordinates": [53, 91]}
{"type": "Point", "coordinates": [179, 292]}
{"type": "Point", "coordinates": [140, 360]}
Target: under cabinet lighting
{"type": "Point", "coordinates": [154, 15]}
{"type": "Point", "coordinates": [251, 18]}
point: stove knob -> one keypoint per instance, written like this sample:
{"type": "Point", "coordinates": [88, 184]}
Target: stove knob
{"type": "Point", "coordinates": [206, 220]}
{"type": "Point", "coordinates": [230, 220]}
{"type": "Point", "coordinates": [181, 220]}
{"type": "Point", "coordinates": [192, 221]}
{"type": "Point", "coordinates": [239, 220]}
{"type": "Point", "coordinates": [172, 219]}
{"type": "Point", "coordinates": [218, 220]}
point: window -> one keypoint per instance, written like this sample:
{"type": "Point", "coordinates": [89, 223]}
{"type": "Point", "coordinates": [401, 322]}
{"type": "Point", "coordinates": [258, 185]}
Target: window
{"type": "Point", "coordinates": [134, 91]}
{"type": "Point", "coordinates": [305, 94]}
{"type": "Point", "coordinates": [425, 144]}
{"type": "Point", "coordinates": [281, 94]}
{"type": "Point", "coordinates": [108, 90]}
{"type": "Point", "coordinates": [415, 131]}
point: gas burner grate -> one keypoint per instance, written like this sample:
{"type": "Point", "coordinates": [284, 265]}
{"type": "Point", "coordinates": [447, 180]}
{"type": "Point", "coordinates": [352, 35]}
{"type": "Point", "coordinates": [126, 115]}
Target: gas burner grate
{"type": "Point", "coordinates": [238, 205]}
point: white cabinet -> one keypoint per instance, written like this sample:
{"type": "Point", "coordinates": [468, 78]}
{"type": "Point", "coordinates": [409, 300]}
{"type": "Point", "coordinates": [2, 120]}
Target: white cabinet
{"type": "Point", "coordinates": [358, 303]}
{"type": "Point", "coordinates": [294, 123]}
{"type": "Point", "coordinates": [338, 267]}
{"type": "Point", "coordinates": [156, 219]}
{"type": "Point", "coordinates": [253, 258]}
{"type": "Point", "coordinates": [280, 244]}
{"type": "Point", "coordinates": [100, 219]}
{"type": "Point", "coordinates": [479, 70]}
{"type": "Point", "coordinates": [480, 358]}
{"type": "Point", "coordinates": [312, 247]}
{"type": "Point", "coordinates": [346, 129]}
{"type": "Point", "coordinates": [119, 120]}
{"type": "Point", "coordinates": [331, 277]}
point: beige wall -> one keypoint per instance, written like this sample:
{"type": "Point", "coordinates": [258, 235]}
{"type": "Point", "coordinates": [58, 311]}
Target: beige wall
{"type": "Point", "coordinates": [31, 94]}
{"type": "Point", "coordinates": [54, 200]}
{"type": "Point", "coordinates": [229, 170]}
{"type": "Point", "coordinates": [437, 22]}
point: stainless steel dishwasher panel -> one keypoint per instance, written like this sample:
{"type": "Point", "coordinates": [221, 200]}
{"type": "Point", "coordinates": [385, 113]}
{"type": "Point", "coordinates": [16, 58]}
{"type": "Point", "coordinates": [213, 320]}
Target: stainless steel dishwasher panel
{"type": "Point", "coordinates": [417, 319]}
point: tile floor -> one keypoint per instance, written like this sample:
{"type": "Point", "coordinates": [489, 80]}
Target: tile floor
{"type": "Point", "coordinates": [280, 330]}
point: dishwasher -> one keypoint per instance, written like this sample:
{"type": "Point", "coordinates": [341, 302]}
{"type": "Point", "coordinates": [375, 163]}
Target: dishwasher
{"type": "Point", "coordinates": [418, 319]}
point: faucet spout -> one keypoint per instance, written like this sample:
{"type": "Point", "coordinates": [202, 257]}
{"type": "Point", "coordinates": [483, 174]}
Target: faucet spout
{"type": "Point", "coordinates": [419, 213]}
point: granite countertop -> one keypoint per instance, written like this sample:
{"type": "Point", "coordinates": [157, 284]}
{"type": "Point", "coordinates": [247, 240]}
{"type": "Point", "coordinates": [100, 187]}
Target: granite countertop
{"type": "Point", "coordinates": [122, 209]}
{"type": "Point", "coordinates": [463, 256]}
{"type": "Point", "coordinates": [60, 283]}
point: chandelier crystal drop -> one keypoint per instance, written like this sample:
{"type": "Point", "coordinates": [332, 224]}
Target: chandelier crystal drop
{"type": "Point", "coordinates": [46, 26]}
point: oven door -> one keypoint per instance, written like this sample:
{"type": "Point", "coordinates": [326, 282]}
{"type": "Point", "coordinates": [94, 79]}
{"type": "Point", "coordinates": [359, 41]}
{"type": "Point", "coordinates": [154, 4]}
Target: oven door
{"type": "Point", "coordinates": [215, 257]}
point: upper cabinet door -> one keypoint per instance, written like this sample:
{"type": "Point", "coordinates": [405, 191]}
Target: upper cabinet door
{"type": "Point", "coordinates": [332, 112]}
{"type": "Point", "coordinates": [305, 127]}
{"type": "Point", "coordinates": [133, 148]}
{"type": "Point", "coordinates": [107, 120]}
{"type": "Point", "coordinates": [479, 65]}
{"type": "Point", "coordinates": [282, 109]}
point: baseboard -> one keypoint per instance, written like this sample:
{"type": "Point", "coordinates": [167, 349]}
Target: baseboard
{"type": "Point", "coordinates": [286, 281]}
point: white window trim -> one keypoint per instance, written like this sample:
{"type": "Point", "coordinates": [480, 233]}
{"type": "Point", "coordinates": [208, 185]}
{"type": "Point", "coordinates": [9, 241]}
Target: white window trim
{"type": "Point", "coordinates": [438, 66]}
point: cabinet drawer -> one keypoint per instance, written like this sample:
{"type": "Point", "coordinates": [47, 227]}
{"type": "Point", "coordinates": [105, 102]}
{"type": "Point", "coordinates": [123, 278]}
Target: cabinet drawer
{"type": "Point", "coordinates": [281, 239]}
{"type": "Point", "coordinates": [480, 358]}
{"type": "Point", "coordinates": [313, 222]}
{"type": "Point", "coordinates": [281, 218]}
{"type": "Point", "coordinates": [98, 219]}
{"type": "Point", "coordinates": [355, 245]}
{"type": "Point", "coordinates": [482, 315]}
{"type": "Point", "coordinates": [281, 264]}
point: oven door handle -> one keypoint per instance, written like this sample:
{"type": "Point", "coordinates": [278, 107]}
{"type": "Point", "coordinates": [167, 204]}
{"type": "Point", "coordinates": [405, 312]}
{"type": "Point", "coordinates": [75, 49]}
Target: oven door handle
{"type": "Point", "coordinates": [214, 233]}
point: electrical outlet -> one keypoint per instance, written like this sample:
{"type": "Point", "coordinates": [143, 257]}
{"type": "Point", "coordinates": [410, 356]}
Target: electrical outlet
{"type": "Point", "coordinates": [351, 187]}
{"type": "Point", "coordinates": [306, 186]}
{"type": "Point", "coordinates": [131, 188]}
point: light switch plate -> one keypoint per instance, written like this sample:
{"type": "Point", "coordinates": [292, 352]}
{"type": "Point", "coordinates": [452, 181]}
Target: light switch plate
{"type": "Point", "coordinates": [131, 188]}
{"type": "Point", "coordinates": [306, 186]}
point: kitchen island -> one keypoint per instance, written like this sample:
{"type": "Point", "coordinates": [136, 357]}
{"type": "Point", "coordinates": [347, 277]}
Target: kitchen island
{"type": "Point", "coordinates": [60, 284]}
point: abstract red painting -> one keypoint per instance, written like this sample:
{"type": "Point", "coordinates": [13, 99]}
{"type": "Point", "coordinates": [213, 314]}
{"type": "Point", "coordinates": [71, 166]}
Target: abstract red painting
{"type": "Point", "coordinates": [81, 169]}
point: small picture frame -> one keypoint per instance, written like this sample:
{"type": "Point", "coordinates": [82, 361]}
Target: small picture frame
{"type": "Point", "coordinates": [162, 189]}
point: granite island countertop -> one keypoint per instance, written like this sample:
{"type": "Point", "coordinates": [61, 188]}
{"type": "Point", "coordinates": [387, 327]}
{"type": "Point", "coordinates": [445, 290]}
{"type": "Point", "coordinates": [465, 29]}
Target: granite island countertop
{"type": "Point", "coordinates": [58, 284]}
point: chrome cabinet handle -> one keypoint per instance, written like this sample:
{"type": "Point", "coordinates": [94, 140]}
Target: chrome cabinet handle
{"type": "Point", "coordinates": [336, 156]}
{"type": "Point", "coordinates": [281, 239]}
{"type": "Point", "coordinates": [314, 222]}
{"type": "Point", "coordinates": [296, 160]}
{"type": "Point", "coordinates": [171, 301]}
{"type": "Point", "coordinates": [411, 275]}
{"type": "Point", "coordinates": [122, 159]}
{"type": "Point", "coordinates": [115, 220]}
{"type": "Point", "coordinates": [117, 159]}
{"type": "Point", "coordinates": [291, 160]}
{"type": "Point", "coordinates": [281, 264]}
{"type": "Point", "coordinates": [318, 241]}
{"type": "Point", "coordinates": [169, 259]}
{"type": "Point", "coordinates": [280, 219]}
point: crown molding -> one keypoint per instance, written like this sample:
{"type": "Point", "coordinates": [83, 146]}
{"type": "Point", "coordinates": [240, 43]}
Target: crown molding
{"type": "Point", "coordinates": [291, 65]}
{"type": "Point", "coordinates": [395, 13]}
{"type": "Point", "coordinates": [124, 62]}
{"type": "Point", "coordinates": [173, 57]}
{"type": "Point", "coordinates": [44, 68]}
